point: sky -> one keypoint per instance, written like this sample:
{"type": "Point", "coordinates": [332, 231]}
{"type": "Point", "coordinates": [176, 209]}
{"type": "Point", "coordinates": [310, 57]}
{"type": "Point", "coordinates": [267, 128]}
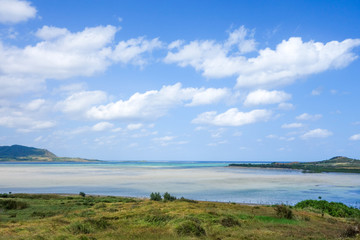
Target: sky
{"type": "Point", "coordinates": [181, 80]}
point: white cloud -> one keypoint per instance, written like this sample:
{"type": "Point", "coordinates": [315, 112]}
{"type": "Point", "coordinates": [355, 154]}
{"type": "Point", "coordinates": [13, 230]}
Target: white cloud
{"type": "Point", "coordinates": [292, 125]}
{"type": "Point", "coordinates": [62, 54]}
{"type": "Point", "coordinates": [239, 38]}
{"type": "Point", "coordinates": [285, 106]}
{"type": "Point", "coordinates": [131, 51]}
{"type": "Point", "coordinates": [317, 133]}
{"type": "Point", "coordinates": [81, 101]}
{"type": "Point", "coordinates": [134, 126]}
{"type": "Point", "coordinates": [101, 126]}
{"type": "Point", "coordinates": [25, 123]}
{"type": "Point", "coordinates": [175, 44]}
{"type": "Point", "coordinates": [26, 117]}
{"type": "Point", "coordinates": [164, 139]}
{"type": "Point", "coordinates": [306, 116]}
{"type": "Point", "coordinates": [290, 60]}
{"type": "Point", "coordinates": [168, 140]}
{"type": "Point", "coordinates": [155, 103]}
{"type": "Point", "coordinates": [232, 117]}
{"type": "Point", "coordinates": [35, 104]}
{"type": "Point", "coordinates": [316, 92]}
{"type": "Point", "coordinates": [260, 96]}
{"type": "Point", "coordinates": [14, 11]}
{"type": "Point", "coordinates": [355, 137]}
{"type": "Point", "coordinates": [208, 96]}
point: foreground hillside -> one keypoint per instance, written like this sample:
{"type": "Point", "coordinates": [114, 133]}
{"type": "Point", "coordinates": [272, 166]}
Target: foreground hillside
{"type": "Point", "coordinates": [335, 164]}
{"type": "Point", "coordinates": [18, 153]}
{"type": "Point", "coordinates": [26, 216]}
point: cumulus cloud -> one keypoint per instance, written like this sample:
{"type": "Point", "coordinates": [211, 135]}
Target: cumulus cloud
{"type": "Point", "coordinates": [232, 117]}
{"type": "Point", "coordinates": [35, 104]}
{"type": "Point", "coordinates": [134, 126]}
{"type": "Point", "coordinates": [154, 103]}
{"type": "Point", "coordinates": [132, 50]}
{"type": "Point", "coordinates": [355, 137]}
{"type": "Point", "coordinates": [81, 101]}
{"type": "Point", "coordinates": [285, 106]}
{"type": "Point", "coordinates": [23, 119]}
{"type": "Point", "coordinates": [306, 116]}
{"type": "Point", "coordinates": [317, 133]}
{"type": "Point", "coordinates": [62, 54]}
{"type": "Point", "coordinates": [292, 125]}
{"type": "Point", "coordinates": [261, 96]}
{"type": "Point", "coordinates": [14, 11]}
{"type": "Point", "coordinates": [209, 96]}
{"type": "Point", "coordinates": [290, 60]}
{"type": "Point", "coordinates": [101, 126]}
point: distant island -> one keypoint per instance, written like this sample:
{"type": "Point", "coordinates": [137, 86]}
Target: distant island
{"type": "Point", "coordinates": [18, 153]}
{"type": "Point", "coordinates": [335, 164]}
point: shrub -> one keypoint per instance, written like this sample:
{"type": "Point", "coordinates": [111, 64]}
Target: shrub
{"type": "Point", "coordinates": [168, 197]}
{"type": "Point", "coordinates": [190, 228]}
{"type": "Point", "coordinates": [155, 196]}
{"type": "Point", "coordinates": [229, 222]}
{"type": "Point", "coordinates": [334, 209]}
{"type": "Point", "coordinates": [188, 200]}
{"type": "Point", "coordinates": [350, 231]}
{"type": "Point", "coordinates": [13, 205]}
{"type": "Point", "coordinates": [282, 211]}
{"type": "Point", "coordinates": [82, 194]}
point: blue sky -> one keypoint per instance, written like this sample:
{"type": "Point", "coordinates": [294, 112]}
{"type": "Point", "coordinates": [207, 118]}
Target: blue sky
{"type": "Point", "coordinates": [181, 80]}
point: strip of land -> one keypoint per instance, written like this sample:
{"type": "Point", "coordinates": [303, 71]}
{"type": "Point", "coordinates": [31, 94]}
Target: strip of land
{"type": "Point", "coordinates": [335, 164]}
{"type": "Point", "coordinates": [51, 216]}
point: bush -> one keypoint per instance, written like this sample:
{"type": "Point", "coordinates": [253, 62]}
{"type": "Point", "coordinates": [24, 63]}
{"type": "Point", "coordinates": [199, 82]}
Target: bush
{"type": "Point", "coordinates": [168, 197]}
{"type": "Point", "coordinates": [229, 222]}
{"type": "Point", "coordinates": [13, 205]}
{"type": "Point", "coordinates": [188, 200]}
{"type": "Point", "coordinates": [190, 228]}
{"type": "Point", "coordinates": [282, 211]}
{"type": "Point", "coordinates": [155, 196]}
{"type": "Point", "coordinates": [82, 194]}
{"type": "Point", "coordinates": [334, 209]}
{"type": "Point", "coordinates": [350, 231]}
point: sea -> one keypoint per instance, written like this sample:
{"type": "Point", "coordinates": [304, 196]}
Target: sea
{"type": "Point", "coordinates": [208, 181]}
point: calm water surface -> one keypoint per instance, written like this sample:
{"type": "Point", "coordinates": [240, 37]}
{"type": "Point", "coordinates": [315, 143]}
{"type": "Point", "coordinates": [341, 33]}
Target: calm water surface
{"type": "Point", "coordinates": [211, 181]}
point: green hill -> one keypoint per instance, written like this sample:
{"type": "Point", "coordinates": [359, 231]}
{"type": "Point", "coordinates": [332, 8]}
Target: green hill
{"type": "Point", "coordinates": [18, 153]}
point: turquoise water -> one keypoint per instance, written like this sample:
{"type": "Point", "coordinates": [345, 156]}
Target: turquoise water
{"type": "Point", "coordinates": [211, 181]}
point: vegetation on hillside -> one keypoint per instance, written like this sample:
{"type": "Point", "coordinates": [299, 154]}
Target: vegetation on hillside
{"type": "Point", "coordinates": [335, 164]}
{"type": "Point", "coordinates": [48, 216]}
{"type": "Point", "coordinates": [334, 209]}
{"type": "Point", "coordinates": [18, 153]}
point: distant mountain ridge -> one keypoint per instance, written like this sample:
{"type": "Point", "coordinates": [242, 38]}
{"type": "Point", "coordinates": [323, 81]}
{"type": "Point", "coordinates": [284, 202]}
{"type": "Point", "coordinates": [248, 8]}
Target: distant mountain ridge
{"type": "Point", "coordinates": [19, 153]}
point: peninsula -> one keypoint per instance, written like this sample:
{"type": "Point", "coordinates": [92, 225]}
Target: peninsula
{"type": "Point", "coordinates": [18, 153]}
{"type": "Point", "coordinates": [335, 164]}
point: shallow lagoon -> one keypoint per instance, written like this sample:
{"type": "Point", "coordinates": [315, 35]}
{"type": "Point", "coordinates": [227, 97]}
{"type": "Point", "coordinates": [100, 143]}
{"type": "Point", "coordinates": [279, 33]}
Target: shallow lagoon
{"type": "Point", "coordinates": [211, 181]}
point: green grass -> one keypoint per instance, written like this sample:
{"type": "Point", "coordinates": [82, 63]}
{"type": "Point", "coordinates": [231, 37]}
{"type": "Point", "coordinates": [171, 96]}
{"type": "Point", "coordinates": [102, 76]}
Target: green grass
{"type": "Point", "coordinates": [74, 217]}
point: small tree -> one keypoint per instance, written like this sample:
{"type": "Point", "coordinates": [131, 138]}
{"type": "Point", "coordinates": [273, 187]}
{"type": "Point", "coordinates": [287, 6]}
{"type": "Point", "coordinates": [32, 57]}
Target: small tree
{"type": "Point", "coordinates": [82, 194]}
{"type": "Point", "coordinates": [168, 197]}
{"type": "Point", "coordinates": [155, 196]}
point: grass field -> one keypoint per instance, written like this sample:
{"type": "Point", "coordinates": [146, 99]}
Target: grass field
{"type": "Point", "coordinates": [29, 216]}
